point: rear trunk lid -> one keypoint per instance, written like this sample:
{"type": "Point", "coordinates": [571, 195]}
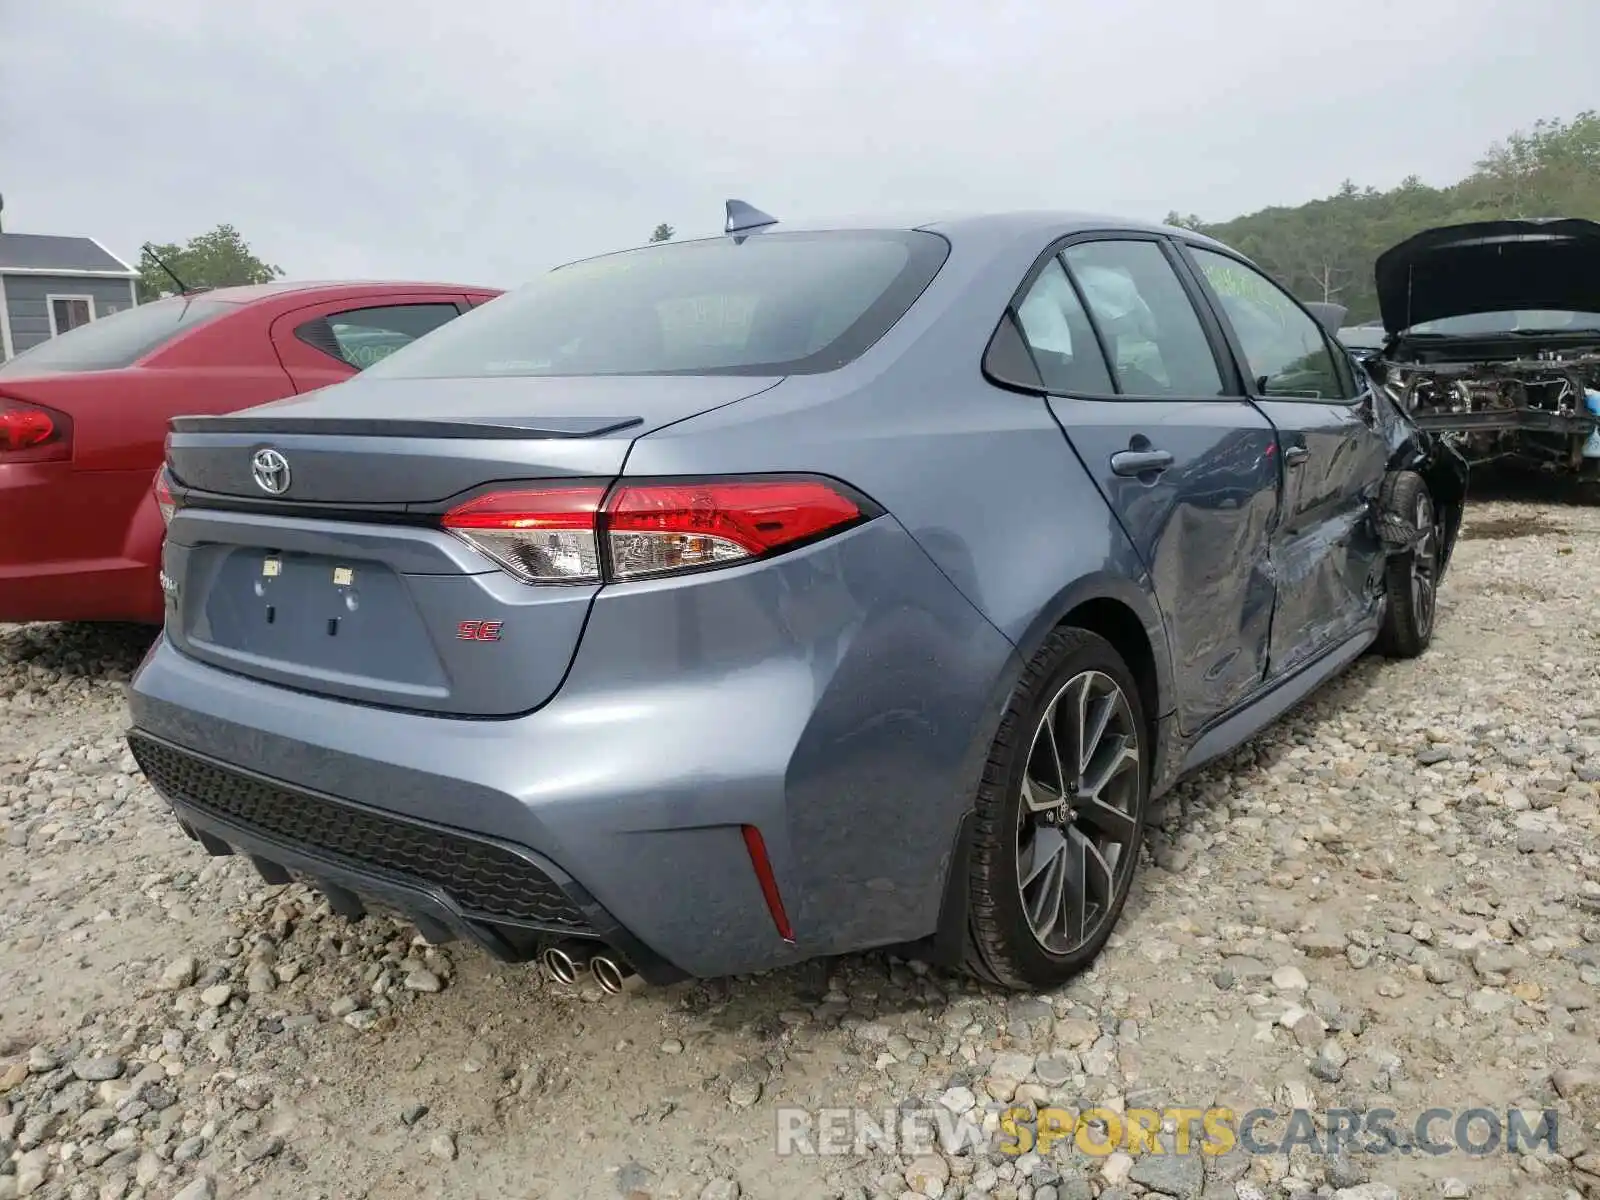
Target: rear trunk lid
{"type": "Point", "coordinates": [306, 549]}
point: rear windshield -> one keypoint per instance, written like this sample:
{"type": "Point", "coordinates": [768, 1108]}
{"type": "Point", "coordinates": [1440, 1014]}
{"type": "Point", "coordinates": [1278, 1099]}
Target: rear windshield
{"type": "Point", "coordinates": [117, 341]}
{"type": "Point", "coordinates": [773, 304]}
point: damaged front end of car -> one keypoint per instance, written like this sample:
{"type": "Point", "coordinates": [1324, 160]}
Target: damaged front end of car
{"type": "Point", "coordinates": [1494, 339]}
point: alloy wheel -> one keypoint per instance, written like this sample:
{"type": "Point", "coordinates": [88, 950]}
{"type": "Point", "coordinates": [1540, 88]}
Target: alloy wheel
{"type": "Point", "coordinates": [1424, 563]}
{"type": "Point", "coordinates": [1078, 820]}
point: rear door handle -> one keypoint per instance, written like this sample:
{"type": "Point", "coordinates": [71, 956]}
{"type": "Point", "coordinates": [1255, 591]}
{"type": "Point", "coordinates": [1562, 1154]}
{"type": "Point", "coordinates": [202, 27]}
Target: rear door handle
{"type": "Point", "coordinates": [1295, 455]}
{"type": "Point", "coordinates": [1137, 462]}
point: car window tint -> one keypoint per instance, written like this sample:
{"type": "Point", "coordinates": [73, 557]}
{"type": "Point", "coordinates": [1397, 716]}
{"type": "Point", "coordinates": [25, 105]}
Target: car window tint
{"type": "Point", "coordinates": [1059, 334]}
{"type": "Point", "coordinates": [770, 303]}
{"type": "Point", "coordinates": [1152, 333]}
{"type": "Point", "coordinates": [363, 336]}
{"type": "Point", "coordinates": [1284, 349]}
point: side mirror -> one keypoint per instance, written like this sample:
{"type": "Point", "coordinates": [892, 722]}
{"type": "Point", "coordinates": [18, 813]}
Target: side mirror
{"type": "Point", "coordinates": [1329, 316]}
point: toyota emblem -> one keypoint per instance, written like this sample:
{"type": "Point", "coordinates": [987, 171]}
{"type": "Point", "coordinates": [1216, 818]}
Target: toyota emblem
{"type": "Point", "coordinates": [271, 471]}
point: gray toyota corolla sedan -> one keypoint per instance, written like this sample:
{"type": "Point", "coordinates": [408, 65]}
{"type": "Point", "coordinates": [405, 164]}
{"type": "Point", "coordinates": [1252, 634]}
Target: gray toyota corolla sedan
{"type": "Point", "coordinates": [706, 607]}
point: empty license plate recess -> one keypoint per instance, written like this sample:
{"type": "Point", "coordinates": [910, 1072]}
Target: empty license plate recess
{"type": "Point", "coordinates": [327, 615]}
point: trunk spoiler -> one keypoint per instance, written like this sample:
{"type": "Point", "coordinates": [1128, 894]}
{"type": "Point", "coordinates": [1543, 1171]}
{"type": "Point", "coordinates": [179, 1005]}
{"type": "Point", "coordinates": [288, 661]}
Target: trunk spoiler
{"type": "Point", "coordinates": [499, 428]}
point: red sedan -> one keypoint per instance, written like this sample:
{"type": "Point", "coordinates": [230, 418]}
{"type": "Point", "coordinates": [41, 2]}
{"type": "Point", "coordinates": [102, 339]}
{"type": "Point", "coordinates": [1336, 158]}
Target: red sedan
{"type": "Point", "coordinates": [83, 422]}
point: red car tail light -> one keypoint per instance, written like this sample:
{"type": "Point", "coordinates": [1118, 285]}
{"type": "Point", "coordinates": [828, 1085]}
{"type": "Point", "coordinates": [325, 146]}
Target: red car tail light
{"type": "Point", "coordinates": [757, 848]}
{"type": "Point", "coordinates": [164, 499]}
{"type": "Point", "coordinates": [33, 433]}
{"type": "Point", "coordinates": [556, 534]}
{"type": "Point", "coordinates": [655, 530]}
{"type": "Point", "coordinates": [547, 535]}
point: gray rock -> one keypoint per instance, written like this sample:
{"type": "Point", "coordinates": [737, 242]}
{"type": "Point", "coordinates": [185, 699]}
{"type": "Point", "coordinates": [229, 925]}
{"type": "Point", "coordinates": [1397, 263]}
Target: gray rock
{"type": "Point", "coordinates": [32, 1170]}
{"type": "Point", "coordinates": [262, 1148]}
{"type": "Point", "coordinates": [1178, 1175]}
{"type": "Point", "coordinates": [1247, 969]}
{"type": "Point", "coordinates": [927, 1175]}
{"type": "Point", "coordinates": [422, 980]}
{"type": "Point", "coordinates": [179, 974]}
{"type": "Point", "coordinates": [443, 1146]}
{"type": "Point", "coordinates": [1572, 1083]}
{"type": "Point", "coordinates": [260, 979]}
{"type": "Point", "coordinates": [1325, 942]}
{"type": "Point", "coordinates": [723, 1189]}
{"type": "Point", "coordinates": [1017, 1067]}
{"type": "Point", "coordinates": [1055, 1070]}
{"type": "Point", "coordinates": [197, 1189]}
{"type": "Point", "coordinates": [958, 1100]}
{"type": "Point", "coordinates": [217, 995]}
{"type": "Point", "coordinates": [97, 1069]}
{"type": "Point", "coordinates": [1343, 1172]}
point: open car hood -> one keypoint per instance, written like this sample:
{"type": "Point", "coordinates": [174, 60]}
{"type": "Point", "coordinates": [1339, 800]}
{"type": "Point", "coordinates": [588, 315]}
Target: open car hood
{"type": "Point", "coordinates": [1490, 266]}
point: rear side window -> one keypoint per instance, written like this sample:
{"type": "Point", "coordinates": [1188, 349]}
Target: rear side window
{"type": "Point", "coordinates": [117, 340]}
{"type": "Point", "coordinates": [1060, 337]}
{"type": "Point", "coordinates": [771, 304]}
{"type": "Point", "coordinates": [362, 337]}
{"type": "Point", "coordinates": [1153, 335]}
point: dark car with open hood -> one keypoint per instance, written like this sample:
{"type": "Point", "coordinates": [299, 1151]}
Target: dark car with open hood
{"type": "Point", "coordinates": [1493, 339]}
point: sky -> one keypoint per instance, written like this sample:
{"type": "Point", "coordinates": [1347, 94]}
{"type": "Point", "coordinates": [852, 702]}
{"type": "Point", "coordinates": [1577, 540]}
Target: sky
{"type": "Point", "coordinates": [485, 141]}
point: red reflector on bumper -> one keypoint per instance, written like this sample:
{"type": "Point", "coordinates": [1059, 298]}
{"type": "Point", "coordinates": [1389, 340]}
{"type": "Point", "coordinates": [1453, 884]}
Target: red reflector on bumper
{"type": "Point", "coordinates": [769, 883]}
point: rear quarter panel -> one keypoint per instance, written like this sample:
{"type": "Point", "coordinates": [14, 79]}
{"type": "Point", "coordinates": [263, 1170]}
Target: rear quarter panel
{"type": "Point", "coordinates": [982, 477]}
{"type": "Point", "coordinates": [987, 486]}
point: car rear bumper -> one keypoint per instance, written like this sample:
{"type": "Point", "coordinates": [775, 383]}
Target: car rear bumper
{"type": "Point", "coordinates": [451, 885]}
{"type": "Point", "coordinates": [840, 699]}
{"type": "Point", "coordinates": [95, 590]}
{"type": "Point", "coordinates": [78, 546]}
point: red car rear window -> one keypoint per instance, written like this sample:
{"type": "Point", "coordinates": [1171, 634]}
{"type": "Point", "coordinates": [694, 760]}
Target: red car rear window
{"type": "Point", "coordinates": [117, 341]}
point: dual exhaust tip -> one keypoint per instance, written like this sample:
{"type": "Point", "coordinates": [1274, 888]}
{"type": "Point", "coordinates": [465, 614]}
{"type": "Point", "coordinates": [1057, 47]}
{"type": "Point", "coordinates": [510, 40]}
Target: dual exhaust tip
{"type": "Point", "coordinates": [567, 963]}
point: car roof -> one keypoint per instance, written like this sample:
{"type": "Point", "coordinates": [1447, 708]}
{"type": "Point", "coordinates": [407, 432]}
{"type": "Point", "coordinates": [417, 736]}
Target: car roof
{"type": "Point", "coordinates": [995, 227]}
{"type": "Point", "coordinates": [249, 293]}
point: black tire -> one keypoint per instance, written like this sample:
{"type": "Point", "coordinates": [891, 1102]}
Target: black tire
{"type": "Point", "coordinates": [1002, 945]}
{"type": "Point", "coordinates": [1412, 575]}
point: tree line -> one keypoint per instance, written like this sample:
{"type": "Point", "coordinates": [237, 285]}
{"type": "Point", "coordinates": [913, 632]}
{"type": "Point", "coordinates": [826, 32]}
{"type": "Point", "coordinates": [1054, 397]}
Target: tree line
{"type": "Point", "coordinates": [1325, 249]}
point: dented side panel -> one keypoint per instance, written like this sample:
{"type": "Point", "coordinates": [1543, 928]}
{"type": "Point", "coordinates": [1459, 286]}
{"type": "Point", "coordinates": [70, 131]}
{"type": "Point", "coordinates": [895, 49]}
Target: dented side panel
{"type": "Point", "coordinates": [1327, 556]}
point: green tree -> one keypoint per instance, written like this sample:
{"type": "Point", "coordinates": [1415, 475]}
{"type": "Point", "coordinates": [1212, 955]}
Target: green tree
{"type": "Point", "coordinates": [662, 233]}
{"type": "Point", "coordinates": [1325, 249]}
{"type": "Point", "coordinates": [219, 258]}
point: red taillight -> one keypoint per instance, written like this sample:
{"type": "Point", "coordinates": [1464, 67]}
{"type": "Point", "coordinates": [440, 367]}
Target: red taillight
{"type": "Point", "coordinates": [541, 536]}
{"type": "Point", "coordinates": [33, 433]}
{"type": "Point", "coordinates": [164, 499]}
{"type": "Point", "coordinates": [653, 530]}
{"type": "Point", "coordinates": [554, 535]}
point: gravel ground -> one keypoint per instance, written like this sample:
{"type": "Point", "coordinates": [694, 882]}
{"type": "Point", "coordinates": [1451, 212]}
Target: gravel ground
{"type": "Point", "coordinates": [1390, 900]}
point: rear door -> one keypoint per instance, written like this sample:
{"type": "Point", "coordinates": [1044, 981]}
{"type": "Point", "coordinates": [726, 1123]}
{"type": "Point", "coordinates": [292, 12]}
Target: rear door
{"type": "Point", "coordinates": [1140, 385]}
{"type": "Point", "coordinates": [1326, 554]}
{"type": "Point", "coordinates": [323, 344]}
